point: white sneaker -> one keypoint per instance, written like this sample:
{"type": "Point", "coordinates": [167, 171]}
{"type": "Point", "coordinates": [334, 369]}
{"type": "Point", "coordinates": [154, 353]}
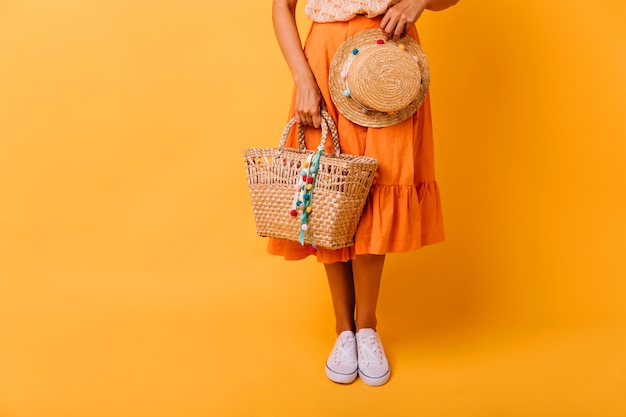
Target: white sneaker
{"type": "Point", "coordinates": [341, 365]}
{"type": "Point", "coordinates": [373, 365]}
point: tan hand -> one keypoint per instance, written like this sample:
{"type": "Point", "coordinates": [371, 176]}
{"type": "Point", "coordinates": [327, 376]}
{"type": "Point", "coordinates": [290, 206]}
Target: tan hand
{"type": "Point", "coordinates": [307, 104]}
{"type": "Point", "coordinates": [401, 17]}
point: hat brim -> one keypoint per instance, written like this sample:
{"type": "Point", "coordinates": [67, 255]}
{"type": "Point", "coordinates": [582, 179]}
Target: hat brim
{"type": "Point", "coordinates": [350, 108]}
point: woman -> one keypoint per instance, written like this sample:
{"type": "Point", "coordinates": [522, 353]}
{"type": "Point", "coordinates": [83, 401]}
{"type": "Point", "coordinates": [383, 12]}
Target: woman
{"type": "Point", "coordinates": [402, 212]}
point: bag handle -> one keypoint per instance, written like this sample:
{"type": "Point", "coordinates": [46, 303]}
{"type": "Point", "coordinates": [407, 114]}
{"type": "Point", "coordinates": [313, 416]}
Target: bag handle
{"type": "Point", "coordinates": [327, 124]}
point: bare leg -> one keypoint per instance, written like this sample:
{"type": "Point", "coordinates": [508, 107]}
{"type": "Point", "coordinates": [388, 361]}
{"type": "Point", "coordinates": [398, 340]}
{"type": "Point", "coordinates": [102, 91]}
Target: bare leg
{"type": "Point", "coordinates": [341, 286]}
{"type": "Point", "coordinates": [367, 270]}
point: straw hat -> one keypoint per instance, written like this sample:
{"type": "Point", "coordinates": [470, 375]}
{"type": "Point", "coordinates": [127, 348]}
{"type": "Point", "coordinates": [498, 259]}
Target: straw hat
{"type": "Point", "coordinates": [377, 83]}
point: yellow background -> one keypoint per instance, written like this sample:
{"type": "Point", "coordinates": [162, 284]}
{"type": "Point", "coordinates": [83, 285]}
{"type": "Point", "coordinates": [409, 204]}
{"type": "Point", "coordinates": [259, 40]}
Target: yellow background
{"type": "Point", "coordinates": [131, 281]}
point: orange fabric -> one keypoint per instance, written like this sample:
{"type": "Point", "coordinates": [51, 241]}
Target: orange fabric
{"type": "Point", "coordinates": [403, 211]}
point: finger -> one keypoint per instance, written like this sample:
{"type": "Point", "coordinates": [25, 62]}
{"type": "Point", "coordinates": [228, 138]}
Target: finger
{"type": "Point", "coordinates": [317, 120]}
{"type": "Point", "coordinates": [307, 120]}
{"type": "Point", "coordinates": [389, 27]}
{"type": "Point", "coordinates": [384, 22]}
{"type": "Point", "coordinates": [399, 30]}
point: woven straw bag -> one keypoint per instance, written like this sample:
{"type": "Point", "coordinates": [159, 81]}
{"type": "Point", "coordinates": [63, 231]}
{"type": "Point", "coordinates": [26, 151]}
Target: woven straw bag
{"type": "Point", "coordinates": [308, 196]}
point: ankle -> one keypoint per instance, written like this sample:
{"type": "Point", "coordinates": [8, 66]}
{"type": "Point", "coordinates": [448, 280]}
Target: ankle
{"type": "Point", "coordinates": [339, 331]}
{"type": "Point", "coordinates": [371, 324]}
{"type": "Point", "coordinates": [343, 327]}
{"type": "Point", "coordinates": [366, 327]}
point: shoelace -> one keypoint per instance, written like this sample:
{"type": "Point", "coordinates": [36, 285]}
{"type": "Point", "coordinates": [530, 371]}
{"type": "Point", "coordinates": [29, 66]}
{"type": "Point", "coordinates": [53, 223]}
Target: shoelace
{"type": "Point", "coordinates": [369, 351]}
{"type": "Point", "coordinates": [345, 350]}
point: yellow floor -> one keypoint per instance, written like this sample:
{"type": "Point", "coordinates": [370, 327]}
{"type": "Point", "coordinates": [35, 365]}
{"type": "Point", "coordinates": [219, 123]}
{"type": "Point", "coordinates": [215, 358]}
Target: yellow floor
{"type": "Point", "coordinates": [147, 342]}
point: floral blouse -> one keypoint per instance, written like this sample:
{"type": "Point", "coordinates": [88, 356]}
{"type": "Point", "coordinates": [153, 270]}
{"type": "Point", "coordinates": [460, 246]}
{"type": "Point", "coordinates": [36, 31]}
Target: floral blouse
{"type": "Point", "coordinates": [341, 10]}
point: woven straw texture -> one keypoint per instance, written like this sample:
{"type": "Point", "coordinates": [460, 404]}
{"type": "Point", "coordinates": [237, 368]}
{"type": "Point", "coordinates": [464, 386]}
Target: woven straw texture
{"type": "Point", "coordinates": [341, 188]}
{"type": "Point", "coordinates": [387, 82]}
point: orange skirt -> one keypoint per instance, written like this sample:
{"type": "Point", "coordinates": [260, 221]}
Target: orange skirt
{"type": "Point", "coordinates": [403, 210]}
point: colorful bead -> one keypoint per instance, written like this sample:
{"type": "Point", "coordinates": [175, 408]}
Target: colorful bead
{"type": "Point", "coordinates": [346, 93]}
{"type": "Point", "coordinates": [313, 249]}
{"type": "Point", "coordinates": [416, 58]}
{"type": "Point", "coordinates": [402, 47]}
{"type": "Point", "coordinates": [355, 51]}
{"type": "Point", "coordinates": [344, 74]}
{"type": "Point", "coordinates": [296, 187]}
{"type": "Point", "coordinates": [303, 196]}
{"type": "Point", "coordinates": [380, 42]}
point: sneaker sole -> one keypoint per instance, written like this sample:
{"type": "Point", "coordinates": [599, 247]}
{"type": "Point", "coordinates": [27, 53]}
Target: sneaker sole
{"type": "Point", "coordinates": [375, 382]}
{"type": "Point", "coordinates": [340, 378]}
